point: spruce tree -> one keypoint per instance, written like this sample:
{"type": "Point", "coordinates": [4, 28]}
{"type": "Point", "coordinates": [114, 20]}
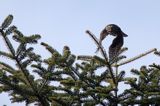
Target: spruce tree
{"type": "Point", "coordinates": [65, 79]}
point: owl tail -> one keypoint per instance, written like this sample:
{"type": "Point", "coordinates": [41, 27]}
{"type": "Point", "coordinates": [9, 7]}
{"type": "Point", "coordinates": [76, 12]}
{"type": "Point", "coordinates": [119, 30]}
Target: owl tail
{"type": "Point", "coordinates": [124, 35]}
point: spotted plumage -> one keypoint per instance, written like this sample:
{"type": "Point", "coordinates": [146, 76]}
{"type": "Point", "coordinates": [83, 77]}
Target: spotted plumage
{"type": "Point", "coordinates": [117, 43]}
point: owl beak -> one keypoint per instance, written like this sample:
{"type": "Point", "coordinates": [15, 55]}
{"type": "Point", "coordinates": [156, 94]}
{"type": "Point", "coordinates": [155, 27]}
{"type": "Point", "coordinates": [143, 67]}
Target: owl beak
{"type": "Point", "coordinates": [124, 35]}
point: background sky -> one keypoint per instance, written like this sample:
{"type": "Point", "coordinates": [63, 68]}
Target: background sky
{"type": "Point", "coordinates": [64, 22]}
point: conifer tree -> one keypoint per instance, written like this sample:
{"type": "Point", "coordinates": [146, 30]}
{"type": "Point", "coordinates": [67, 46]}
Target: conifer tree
{"type": "Point", "coordinates": [65, 79]}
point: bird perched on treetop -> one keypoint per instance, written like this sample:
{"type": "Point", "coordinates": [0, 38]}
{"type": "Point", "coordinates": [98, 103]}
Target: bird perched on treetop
{"type": "Point", "coordinates": [117, 43]}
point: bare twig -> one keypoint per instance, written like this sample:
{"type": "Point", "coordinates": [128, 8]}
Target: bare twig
{"type": "Point", "coordinates": [94, 38]}
{"type": "Point", "coordinates": [136, 57]}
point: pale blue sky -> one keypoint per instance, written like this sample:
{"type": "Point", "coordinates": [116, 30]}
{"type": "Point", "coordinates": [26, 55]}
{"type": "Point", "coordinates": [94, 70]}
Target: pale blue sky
{"type": "Point", "coordinates": [63, 22]}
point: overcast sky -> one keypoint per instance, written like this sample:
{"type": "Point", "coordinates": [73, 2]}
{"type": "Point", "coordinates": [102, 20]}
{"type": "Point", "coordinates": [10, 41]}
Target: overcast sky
{"type": "Point", "coordinates": [63, 22]}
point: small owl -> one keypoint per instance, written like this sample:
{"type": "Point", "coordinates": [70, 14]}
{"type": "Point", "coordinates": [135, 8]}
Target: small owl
{"type": "Point", "coordinates": [117, 43]}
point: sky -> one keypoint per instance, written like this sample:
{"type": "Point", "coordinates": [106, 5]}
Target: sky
{"type": "Point", "coordinates": [64, 22]}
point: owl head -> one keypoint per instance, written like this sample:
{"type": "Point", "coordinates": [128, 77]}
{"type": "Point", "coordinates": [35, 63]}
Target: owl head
{"type": "Point", "coordinates": [114, 30]}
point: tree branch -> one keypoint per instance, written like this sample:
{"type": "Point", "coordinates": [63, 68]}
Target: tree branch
{"type": "Point", "coordinates": [103, 54]}
{"type": "Point", "coordinates": [136, 57]}
{"type": "Point", "coordinates": [12, 51]}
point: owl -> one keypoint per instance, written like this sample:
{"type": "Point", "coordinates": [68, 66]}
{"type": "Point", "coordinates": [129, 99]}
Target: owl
{"type": "Point", "coordinates": [117, 42]}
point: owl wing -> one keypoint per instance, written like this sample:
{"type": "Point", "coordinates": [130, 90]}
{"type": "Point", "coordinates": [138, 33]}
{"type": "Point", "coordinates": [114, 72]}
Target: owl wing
{"type": "Point", "coordinates": [115, 47]}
